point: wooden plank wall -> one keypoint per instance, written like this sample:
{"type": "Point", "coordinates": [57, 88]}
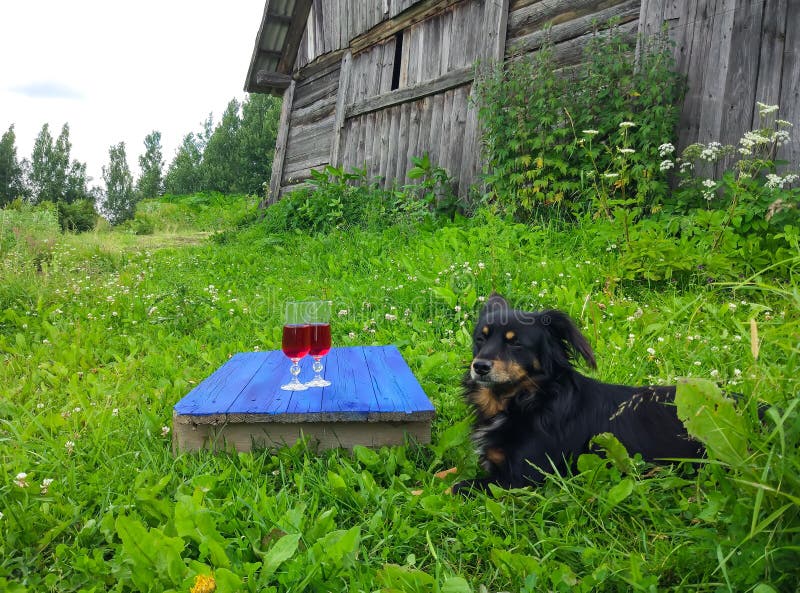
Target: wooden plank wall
{"type": "Point", "coordinates": [333, 23]}
{"type": "Point", "coordinates": [311, 122]}
{"type": "Point", "coordinates": [735, 53]}
{"type": "Point", "coordinates": [383, 141]}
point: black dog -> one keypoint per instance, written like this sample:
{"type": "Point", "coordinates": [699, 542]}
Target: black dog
{"type": "Point", "coordinates": [535, 412]}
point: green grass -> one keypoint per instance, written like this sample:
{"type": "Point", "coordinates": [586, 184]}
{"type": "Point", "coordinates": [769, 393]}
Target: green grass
{"type": "Point", "coordinates": [101, 334]}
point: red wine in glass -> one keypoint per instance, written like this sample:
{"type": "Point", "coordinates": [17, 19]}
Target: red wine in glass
{"type": "Point", "coordinates": [320, 319]}
{"type": "Point", "coordinates": [320, 339]}
{"type": "Point", "coordinates": [296, 341]}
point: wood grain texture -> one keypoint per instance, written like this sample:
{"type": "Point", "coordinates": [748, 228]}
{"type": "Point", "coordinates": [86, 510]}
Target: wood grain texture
{"type": "Point", "coordinates": [374, 400]}
{"type": "Point", "coordinates": [280, 147]}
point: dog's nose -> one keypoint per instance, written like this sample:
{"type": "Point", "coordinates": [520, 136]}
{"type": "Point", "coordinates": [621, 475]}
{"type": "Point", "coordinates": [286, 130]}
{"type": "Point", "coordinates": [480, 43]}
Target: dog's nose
{"type": "Point", "coordinates": [482, 367]}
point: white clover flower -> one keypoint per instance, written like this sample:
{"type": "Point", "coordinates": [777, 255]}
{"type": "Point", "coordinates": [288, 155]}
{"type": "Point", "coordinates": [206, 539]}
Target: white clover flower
{"type": "Point", "coordinates": [46, 485]}
{"type": "Point", "coordinates": [343, 312]}
{"type": "Point", "coordinates": [666, 165]}
{"type": "Point", "coordinates": [737, 373]}
{"type": "Point", "coordinates": [714, 373]}
{"type": "Point", "coordinates": [21, 480]}
{"type": "Point", "coordinates": [627, 124]}
{"type": "Point", "coordinates": [351, 335]}
{"type": "Point", "coordinates": [481, 265]}
{"type": "Point", "coordinates": [115, 412]}
{"type": "Point", "coordinates": [697, 363]}
{"type": "Point", "coordinates": [457, 308]}
{"type": "Point", "coordinates": [164, 431]}
{"type": "Point", "coordinates": [69, 446]}
{"type": "Point", "coordinates": [651, 351]}
{"type": "Point", "coordinates": [390, 317]}
{"type": "Point", "coordinates": [40, 406]}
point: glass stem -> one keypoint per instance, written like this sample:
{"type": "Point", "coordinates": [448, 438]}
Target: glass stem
{"type": "Point", "coordinates": [295, 370]}
{"type": "Point", "coordinates": [317, 367]}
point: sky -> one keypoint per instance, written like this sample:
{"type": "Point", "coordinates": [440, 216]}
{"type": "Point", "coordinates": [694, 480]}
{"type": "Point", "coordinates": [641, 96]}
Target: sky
{"type": "Point", "coordinates": [116, 71]}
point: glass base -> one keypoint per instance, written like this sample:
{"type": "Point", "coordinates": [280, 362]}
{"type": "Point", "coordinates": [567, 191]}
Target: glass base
{"type": "Point", "coordinates": [294, 386]}
{"type": "Point", "coordinates": [318, 382]}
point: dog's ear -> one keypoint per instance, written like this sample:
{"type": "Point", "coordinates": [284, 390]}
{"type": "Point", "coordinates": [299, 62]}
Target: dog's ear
{"type": "Point", "coordinates": [494, 302]}
{"type": "Point", "coordinates": [571, 338]}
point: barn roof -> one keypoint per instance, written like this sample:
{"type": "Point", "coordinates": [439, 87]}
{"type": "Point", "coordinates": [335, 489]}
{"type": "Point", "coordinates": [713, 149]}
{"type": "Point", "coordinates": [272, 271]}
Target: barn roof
{"type": "Point", "coordinates": [278, 39]}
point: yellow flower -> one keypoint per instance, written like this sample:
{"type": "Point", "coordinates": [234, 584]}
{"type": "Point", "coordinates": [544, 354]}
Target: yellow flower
{"type": "Point", "coordinates": [204, 583]}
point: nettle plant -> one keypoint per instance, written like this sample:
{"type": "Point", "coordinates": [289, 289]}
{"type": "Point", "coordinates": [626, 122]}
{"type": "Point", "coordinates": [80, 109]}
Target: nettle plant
{"type": "Point", "coordinates": [548, 129]}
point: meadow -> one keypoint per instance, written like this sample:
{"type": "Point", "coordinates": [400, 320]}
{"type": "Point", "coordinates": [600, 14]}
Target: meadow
{"type": "Point", "coordinates": [102, 333]}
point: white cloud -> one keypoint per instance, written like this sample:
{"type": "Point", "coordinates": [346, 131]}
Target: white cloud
{"type": "Point", "coordinates": [117, 71]}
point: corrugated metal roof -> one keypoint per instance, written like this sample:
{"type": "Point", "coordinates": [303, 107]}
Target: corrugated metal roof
{"type": "Point", "coordinates": [276, 44]}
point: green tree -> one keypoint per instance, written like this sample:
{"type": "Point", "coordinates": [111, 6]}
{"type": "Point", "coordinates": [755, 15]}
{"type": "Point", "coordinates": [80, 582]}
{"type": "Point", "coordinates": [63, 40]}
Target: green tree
{"type": "Point", "coordinates": [120, 198]}
{"type": "Point", "coordinates": [151, 163]}
{"type": "Point", "coordinates": [221, 164]}
{"type": "Point", "coordinates": [257, 135]}
{"type": "Point", "coordinates": [53, 177]}
{"type": "Point", "coordinates": [183, 175]}
{"type": "Point", "coordinates": [11, 180]}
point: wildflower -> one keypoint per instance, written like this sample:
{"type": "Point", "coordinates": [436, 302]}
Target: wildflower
{"type": "Point", "coordinates": [666, 165]}
{"type": "Point", "coordinates": [714, 373]}
{"type": "Point", "coordinates": [46, 485]}
{"type": "Point", "coordinates": [737, 373]}
{"type": "Point", "coordinates": [591, 132]}
{"type": "Point", "coordinates": [21, 480]}
{"type": "Point", "coordinates": [69, 446]}
{"type": "Point", "coordinates": [626, 150]}
{"type": "Point", "coordinates": [627, 124]}
{"type": "Point", "coordinates": [709, 183]}
{"type": "Point", "coordinates": [390, 317]}
{"type": "Point", "coordinates": [351, 335]}
{"type": "Point", "coordinates": [204, 583]}
{"type": "Point", "coordinates": [651, 351]}
{"type": "Point", "coordinates": [481, 265]}
{"type": "Point", "coordinates": [697, 363]}
{"type": "Point", "coordinates": [665, 149]}
{"type": "Point", "coordinates": [115, 412]}
{"type": "Point", "coordinates": [40, 406]}
{"type": "Point", "coordinates": [783, 123]}
{"type": "Point", "coordinates": [764, 109]}
{"type": "Point", "coordinates": [343, 312]}
{"type": "Point", "coordinates": [164, 431]}
{"type": "Point", "coordinates": [457, 308]}
{"type": "Point", "coordinates": [610, 175]}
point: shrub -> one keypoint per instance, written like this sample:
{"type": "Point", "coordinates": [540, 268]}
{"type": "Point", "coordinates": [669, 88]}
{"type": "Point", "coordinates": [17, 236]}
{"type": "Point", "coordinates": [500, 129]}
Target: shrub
{"type": "Point", "coordinates": [548, 133]}
{"type": "Point", "coordinates": [141, 224]}
{"type": "Point", "coordinates": [79, 216]}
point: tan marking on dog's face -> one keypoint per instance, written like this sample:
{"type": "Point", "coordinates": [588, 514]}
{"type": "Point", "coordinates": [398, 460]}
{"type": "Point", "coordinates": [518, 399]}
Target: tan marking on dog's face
{"type": "Point", "coordinates": [495, 455]}
{"type": "Point", "coordinates": [510, 335]}
{"type": "Point", "coordinates": [506, 372]}
{"type": "Point", "coordinates": [485, 400]}
{"type": "Point", "coordinates": [485, 330]}
{"type": "Point", "coordinates": [537, 366]}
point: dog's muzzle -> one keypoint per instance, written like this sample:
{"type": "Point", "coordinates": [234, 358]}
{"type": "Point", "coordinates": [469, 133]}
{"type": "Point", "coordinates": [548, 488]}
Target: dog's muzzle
{"type": "Point", "coordinates": [480, 368]}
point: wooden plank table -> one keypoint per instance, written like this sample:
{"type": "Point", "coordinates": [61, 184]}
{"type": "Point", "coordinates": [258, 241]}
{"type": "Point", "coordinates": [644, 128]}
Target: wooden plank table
{"type": "Point", "coordinates": [373, 400]}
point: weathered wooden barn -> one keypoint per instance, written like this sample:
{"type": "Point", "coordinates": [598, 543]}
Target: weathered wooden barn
{"type": "Point", "coordinates": [371, 83]}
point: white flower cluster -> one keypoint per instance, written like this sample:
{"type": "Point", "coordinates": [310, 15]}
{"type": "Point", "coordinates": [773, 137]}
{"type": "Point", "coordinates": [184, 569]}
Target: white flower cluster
{"type": "Point", "coordinates": [711, 151]}
{"type": "Point", "coordinates": [777, 182]}
{"type": "Point", "coordinates": [665, 149]}
{"type": "Point", "coordinates": [764, 109]}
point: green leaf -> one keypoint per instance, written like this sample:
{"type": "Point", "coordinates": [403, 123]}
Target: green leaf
{"type": "Point", "coordinates": [456, 585]}
{"type": "Point", "coordinates": [402, 578]}
{"type": "Point", "coordinates": [620, 492]}
{"type": "Point", "coordinates": [712, 418]}
{"type": "Point", "coordinates": [614, 450]}
{"type": "Point", "coordinates": [280, 552]}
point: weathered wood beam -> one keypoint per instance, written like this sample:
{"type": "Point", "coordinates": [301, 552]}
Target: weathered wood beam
{"type": "Point", "coordinates": [554, 12]}
{"type": "Point", "coordinates": [275, 80]}
{"type": "Point", "coordinates": [294, 35]}
{"type": "Point", "coordinates": [450, 80]}
{"type": "Point", "coordinates": [623, 13]}
{"type": "Point", "coordinates": [280, 148]}
{"type": "Point", "coordinates": [344, 84]}
{"type": "Point", "coordinates": [417, 13]}
{"type": "Point", "coordinates": [280, 18]}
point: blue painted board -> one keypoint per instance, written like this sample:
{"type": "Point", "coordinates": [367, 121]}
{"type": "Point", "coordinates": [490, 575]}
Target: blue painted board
{"type": "Point", "coordinates": [368, 383]}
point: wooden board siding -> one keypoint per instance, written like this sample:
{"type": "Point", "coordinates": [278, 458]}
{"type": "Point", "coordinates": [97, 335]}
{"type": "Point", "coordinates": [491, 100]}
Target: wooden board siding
{"type": "Point", "coordinates": [735, 53]}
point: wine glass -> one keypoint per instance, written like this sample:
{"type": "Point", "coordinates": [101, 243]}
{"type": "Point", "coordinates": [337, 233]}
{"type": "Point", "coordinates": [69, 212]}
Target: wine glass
{"type": "Point", "coordinates": [320, 319]}
{"type": "Point", "coordinates": [296, 340]}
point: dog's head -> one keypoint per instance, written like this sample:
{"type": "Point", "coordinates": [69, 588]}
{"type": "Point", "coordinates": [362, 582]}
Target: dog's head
{"type": "Point", "coordinates": [512, 347]}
